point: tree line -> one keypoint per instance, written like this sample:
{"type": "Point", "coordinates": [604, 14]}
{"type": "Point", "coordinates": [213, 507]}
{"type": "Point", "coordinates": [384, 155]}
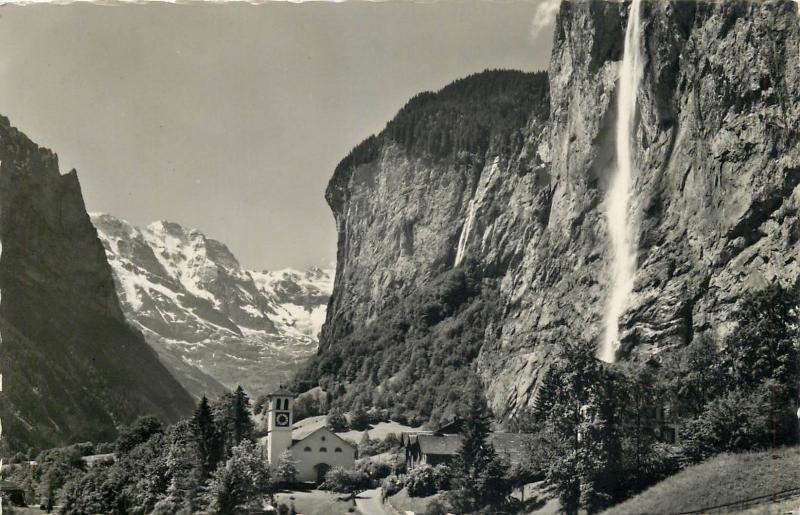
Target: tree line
{"type": "Point", "coordinates": [598, 436]}
{"type": "Point", "coordinates": [414, 361]}
{"type": "Point", "coordinates": [208, 463]}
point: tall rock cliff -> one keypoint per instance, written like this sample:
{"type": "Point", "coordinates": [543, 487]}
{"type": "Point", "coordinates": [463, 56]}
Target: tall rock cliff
{"type": "Point", "coordinates": [714, 208]}
{"type": "Point", "coordinates": [214, 323]}
{"type": "Point", "coordinates": [73, 369]}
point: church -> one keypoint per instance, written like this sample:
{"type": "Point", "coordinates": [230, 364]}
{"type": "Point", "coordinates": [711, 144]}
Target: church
{"type": "Point", "coordinates": [316, 450]}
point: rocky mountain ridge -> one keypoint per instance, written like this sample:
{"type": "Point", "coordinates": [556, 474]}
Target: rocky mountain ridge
{"type": "Point", "coordinates": [73, 370]}
{"type": "Point", "coordinates": [215, 324]}
{"type": "Point", "coordinates": [714, 202]}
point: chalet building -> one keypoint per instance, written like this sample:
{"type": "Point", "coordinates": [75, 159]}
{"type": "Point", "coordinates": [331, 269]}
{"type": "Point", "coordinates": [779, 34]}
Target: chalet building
{"type": "Point", "coordinates": [441, 446]}
{"type": "Point", "coordinates": [315, 449]}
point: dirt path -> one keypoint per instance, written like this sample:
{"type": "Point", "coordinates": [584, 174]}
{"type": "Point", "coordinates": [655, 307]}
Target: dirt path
{"type": "Point", "coordinates": [369, 502]}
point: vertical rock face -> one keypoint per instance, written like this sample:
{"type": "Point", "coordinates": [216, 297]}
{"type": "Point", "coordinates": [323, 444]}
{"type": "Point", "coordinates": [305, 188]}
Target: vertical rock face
{"type": "Point", "coordinates": [401, 200]}
{"type": "Point", "coordinates": [73, 369]}
{"type": "Point", "coordinates": [716, 165]}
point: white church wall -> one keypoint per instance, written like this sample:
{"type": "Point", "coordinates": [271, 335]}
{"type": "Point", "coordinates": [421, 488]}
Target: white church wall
{"type": "Point", "coordinates": [321, 447]}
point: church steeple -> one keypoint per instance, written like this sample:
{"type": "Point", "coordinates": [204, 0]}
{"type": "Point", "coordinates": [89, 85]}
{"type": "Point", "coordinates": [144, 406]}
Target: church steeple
{"type": "Point", "coordinates": [279, 423]}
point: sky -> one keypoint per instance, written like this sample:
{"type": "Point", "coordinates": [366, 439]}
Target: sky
{"type": "Point", "coordinates": [231, 118]}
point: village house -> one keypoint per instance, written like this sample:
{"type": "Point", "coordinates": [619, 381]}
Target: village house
{"type": "Point", "coordinates": [315, 449]}
{"type": "Point", "coordinates": [442, 445]}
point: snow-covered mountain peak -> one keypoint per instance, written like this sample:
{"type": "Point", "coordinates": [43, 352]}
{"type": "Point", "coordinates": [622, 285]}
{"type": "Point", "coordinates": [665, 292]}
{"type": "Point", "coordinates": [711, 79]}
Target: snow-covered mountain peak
{"type": "Point", "coordinates": [189, 293]}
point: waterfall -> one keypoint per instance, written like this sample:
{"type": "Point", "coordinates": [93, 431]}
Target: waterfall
{"type": "Point", "coordinates": [619, 195]}
{"type": "Point", "coordinates": [472, 209]}
{"type": "Point", "coordinates": [462, 240]}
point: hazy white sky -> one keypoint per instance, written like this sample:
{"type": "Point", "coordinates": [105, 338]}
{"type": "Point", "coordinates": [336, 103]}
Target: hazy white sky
{"type": "Point", "coordinates": [231, 118]}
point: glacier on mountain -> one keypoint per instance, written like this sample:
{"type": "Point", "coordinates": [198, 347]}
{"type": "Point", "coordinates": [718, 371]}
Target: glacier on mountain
{"type": "Point", "coordinates": [214, 323]}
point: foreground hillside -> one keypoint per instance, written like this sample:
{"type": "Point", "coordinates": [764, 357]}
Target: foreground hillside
{"type": "Point", "coordinates": [725, 479]}
{"type": "Point", "coordinates": [215, 324]}
{"type": "Point", "coordinates": [73, 370]}
{"type": "Point", "coordinates": [504, 176]}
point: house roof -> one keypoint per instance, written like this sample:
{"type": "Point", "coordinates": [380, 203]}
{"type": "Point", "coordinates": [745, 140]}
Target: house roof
{"type": "Point", "coordinates": [455, 426]}
{"type": "Point", "coordinates": [297, 440]}
{"type": "Point", "coordinates": [507, 444]}
{"type": "Point", "coordinates": [408, 438]}
{"type": "Point", "coordinates": [444, 445]}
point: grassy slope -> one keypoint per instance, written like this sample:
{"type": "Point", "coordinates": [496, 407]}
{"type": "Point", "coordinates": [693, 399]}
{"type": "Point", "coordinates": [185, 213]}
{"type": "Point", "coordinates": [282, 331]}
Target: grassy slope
{"type": "Point", "coordinates": [724, 479]}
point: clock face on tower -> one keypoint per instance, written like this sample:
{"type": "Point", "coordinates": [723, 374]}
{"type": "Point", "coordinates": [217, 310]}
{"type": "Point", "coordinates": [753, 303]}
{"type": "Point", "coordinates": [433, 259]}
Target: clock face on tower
{"type": "Point", "coordinates": [282, 419]}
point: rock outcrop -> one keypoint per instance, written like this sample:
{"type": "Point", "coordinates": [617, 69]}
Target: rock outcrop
{"type": "Point", "coordinates": [715, 190]}
{"type": "Point", "coordinates": [73, 369]}
{"type": "Point", "coordinates": [215, 324]}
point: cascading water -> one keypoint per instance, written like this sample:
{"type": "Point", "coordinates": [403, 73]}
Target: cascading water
{"type": "Point", "coordinates": [472, 208]}
{"type": "Point", "coordinates": [618, 200]}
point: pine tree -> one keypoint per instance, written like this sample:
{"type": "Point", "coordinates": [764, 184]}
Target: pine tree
{"type": "Point", "coordinates": [208, 439]}
{"type": "Point", "coordinates": [243, 425]}
{"type": "Point", "coordinates": [183, 469]}
{"type": "Point", "coordinates": [478, 473]}
{"type": "Point", "coordinates": [545, 394]}
{"type": "Point", "coordinates": [233, 419]}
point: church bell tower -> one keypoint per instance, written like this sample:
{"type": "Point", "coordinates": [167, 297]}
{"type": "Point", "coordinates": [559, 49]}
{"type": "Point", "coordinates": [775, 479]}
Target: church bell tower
{"type": "Point", "coordinates": [279, 424]}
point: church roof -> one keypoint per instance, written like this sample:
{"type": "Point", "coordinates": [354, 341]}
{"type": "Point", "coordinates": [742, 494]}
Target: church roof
{"type": "Point", "coordinates": [308, 425]}
{"type": "Point", "coordinates": [299, 436]}
{"type": "Point", "coordinates": [282, 392]}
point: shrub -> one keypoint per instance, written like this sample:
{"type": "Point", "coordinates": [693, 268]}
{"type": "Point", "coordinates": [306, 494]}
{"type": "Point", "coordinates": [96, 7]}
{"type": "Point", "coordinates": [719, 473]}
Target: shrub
{"type": "Point", "coordinates": [139, 432]}
{"type": "Point", "coordinates": [336, 420]}
{"type": "Point", "coordinates": [286, 468]}
{"type": "Point", "coordinates": [242, 479]}
{"type": "Point", "coordinates": [437, 507]}
{"type": "Point", "coordinates": [359, 419]}
{"type": "Point", "coordinates": [341, 480]}
{"type": "Point", "coordinates": [421, 481]}
{"type": "Point", "coordinates": [370, 447]}
{"type": "Point", "coordinates": [376, 416]}
{"type": "Point", "coordinates": [733, 422]}
{"type": "Point", "coordinates": [18, 458]}
{"type": "Point", "coordinates": [391, 485]}
{"type": "Point", "coordinates": [442, 475]}
{"type": "Point", "coordinates": [375, 471]}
